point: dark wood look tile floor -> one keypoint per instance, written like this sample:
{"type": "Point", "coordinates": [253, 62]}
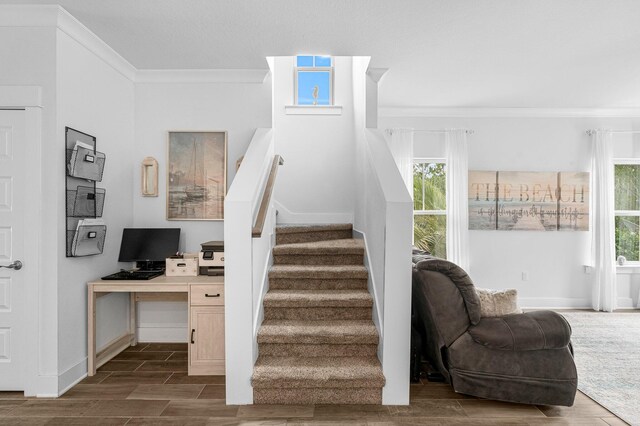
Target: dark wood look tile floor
{"type": "Point", "coordinates": [148, 385]}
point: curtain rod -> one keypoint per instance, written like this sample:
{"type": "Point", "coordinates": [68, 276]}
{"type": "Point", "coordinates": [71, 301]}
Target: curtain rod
{"type": "Point", "coordinates": [390, 131]}
{"type": "Point", "coordinates": [592, 131]}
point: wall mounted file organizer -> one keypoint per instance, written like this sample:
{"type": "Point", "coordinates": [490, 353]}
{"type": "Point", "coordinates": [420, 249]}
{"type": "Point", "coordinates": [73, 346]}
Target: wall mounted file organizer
{"type": "Point", "coordinates": [85, 201]}
{"type": "Point", "coordinates": [88, 239]}
{"type": "Point", "coordinates": [85, 162]}
{"type": "Point", "coordinates": [84, 166]}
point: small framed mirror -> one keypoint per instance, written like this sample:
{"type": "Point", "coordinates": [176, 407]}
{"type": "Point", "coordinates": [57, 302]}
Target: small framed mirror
{"type": "Point", "coordinates": [149, 177]}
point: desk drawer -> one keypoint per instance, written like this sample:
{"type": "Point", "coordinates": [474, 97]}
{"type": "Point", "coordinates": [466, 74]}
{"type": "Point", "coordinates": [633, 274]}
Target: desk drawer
{"type": "Point", "coordinates": [207, 294]}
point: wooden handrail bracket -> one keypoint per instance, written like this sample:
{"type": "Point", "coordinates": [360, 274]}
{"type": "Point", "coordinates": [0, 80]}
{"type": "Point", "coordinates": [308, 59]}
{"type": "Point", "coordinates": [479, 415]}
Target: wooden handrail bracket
{"type": "Point", "coordinates": [256, 232]}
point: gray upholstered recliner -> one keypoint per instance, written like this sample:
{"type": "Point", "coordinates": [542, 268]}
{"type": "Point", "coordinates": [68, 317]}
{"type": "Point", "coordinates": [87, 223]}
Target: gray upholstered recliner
{"type": "Point", "coordinates": [524, 358]}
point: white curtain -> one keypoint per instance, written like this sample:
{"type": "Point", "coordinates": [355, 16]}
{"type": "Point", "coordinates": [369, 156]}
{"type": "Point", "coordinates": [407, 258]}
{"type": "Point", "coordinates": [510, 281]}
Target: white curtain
{"type": "Point", "coordinates": [457, 189]}
{"type": "Point", "coordinates": [401, 146]}
{"type": "Point", "coordinates": [603, 222]}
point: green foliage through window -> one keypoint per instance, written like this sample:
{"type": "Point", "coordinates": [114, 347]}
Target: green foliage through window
{"type": "Point", "coordinates": [627, 179]}
{"type": "Point", "coordinates": [430, 234]}
{"type": "Point", "coordinates": [627, 238]}
{"type": "Point", "coordinates": [627, 211]}
{"type": "Point", "coordinates": [429, 198]}
{"type": "Point", "coordinates": [429, 183]}
{"type": "Point", "coordinates": [627, 206]}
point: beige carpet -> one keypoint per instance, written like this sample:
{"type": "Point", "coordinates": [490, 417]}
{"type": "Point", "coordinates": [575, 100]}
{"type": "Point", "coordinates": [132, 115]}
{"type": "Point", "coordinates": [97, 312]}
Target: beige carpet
{"type": "Point", "coordinates": [318, 344]}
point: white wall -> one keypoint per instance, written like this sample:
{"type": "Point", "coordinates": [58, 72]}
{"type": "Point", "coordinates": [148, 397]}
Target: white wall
{"type": "Point", "coordinates": [94, 98]}
{"type": "Point", "coordinates": [319, 151]}
{"type": "Point", "coordinates": [82, 91]}
{"type": "Point", "coordinates": [238, 108]}
{"type": "Point", "coordinates": [35, 65]}
{"type": "Point", "coordinates": [553, 260]}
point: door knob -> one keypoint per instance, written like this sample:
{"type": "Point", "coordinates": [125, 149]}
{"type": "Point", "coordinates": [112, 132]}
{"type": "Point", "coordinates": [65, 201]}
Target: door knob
{"type": "Point", "coordinates": [17, 265]}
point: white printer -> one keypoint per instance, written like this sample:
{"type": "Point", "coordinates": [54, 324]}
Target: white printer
{"type": "Point", "coordinates": [211, 258]}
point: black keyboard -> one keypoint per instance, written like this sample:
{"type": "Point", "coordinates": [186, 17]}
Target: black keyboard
{"type": "Point", "coordinates": [133, 275]}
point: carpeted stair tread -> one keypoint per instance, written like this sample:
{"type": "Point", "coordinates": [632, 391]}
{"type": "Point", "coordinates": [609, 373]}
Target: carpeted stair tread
{"type": "Point", "coordinates": [317, 372]}
{"type": "Point", "coordinates": [326, 395]}
{"type": "Point", "coordinates": [293, 229]}
{"type": "Point", "coordinates": [296, 234]}
{"type": "Point", "coordinates": [317, 298]}
{"type": "Point", "coordinates": [330, 247]}
{"type": "Point", "coordinates": [325, 272]}
{"type": "Point", "coordinates": [334, 332]}
{"type": "Point", "coordinates": [315, 350]}
{"type": "Point", "coordinates": [317, 343]}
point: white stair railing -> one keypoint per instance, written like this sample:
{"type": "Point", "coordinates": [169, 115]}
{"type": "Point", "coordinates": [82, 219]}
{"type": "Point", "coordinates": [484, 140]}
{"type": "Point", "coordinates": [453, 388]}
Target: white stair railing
{"type": "Point", "coordinates": [249, 228]}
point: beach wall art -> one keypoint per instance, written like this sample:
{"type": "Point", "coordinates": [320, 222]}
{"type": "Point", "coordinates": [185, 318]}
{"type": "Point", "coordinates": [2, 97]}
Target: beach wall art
{"type": "Point", "coordinates": [528, 201]}
{"type": "Point", "coordinates": [197, 175]}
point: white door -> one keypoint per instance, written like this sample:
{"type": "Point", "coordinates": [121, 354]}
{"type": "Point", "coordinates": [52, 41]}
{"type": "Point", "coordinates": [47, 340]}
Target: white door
{"type": "Point", "coordinates": [12, 187]}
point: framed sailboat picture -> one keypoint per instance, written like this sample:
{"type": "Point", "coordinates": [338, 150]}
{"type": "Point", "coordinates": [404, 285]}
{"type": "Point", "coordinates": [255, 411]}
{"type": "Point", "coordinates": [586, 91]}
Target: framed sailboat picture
{"type": "Point", "coordinates": [196, 175]}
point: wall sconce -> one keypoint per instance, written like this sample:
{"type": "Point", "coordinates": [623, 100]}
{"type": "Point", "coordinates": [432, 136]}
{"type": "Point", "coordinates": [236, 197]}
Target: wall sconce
{"type": "Point", "coordinates": [149, 177]}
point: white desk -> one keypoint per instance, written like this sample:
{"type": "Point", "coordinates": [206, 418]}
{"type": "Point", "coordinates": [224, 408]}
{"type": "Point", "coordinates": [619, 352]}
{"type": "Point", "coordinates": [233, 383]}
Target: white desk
{"type": "Point", "coordinates": [206, 317]}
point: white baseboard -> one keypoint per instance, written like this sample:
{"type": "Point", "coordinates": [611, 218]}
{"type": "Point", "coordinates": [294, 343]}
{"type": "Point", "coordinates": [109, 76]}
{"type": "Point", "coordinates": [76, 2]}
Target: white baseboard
{"type": "Point", "coordinates": [287, 216]}
{"type": "Point", "coordinates": [567, 303]}
{"type": "Point", "coordinates": [264, 287]}
{"type": "Point", "coordinates": [72, 377]}
{"type": "Point", "coordinates": [625, 303]}
{"type": "Point", "coordinates": [163, 334]}
{"type": "Point", "coordinates": [377, 314]}
{"type": "Point", "coordinates": [554, 302]}
{"type": "Point", "coordinates": [45, 387]}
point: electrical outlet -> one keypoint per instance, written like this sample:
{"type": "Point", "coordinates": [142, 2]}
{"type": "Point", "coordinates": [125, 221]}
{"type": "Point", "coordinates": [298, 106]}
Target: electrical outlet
{"type": "Point", "coordinates": [525, 276]}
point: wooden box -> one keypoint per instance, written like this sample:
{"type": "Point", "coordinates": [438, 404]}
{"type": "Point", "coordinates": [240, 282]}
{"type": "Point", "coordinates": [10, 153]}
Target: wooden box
{"type": "Point", "coordinates": [187, 266]}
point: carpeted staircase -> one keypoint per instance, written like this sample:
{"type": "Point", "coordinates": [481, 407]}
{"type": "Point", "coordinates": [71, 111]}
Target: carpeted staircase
{"type": "Point", "coordinates": [317, 343]}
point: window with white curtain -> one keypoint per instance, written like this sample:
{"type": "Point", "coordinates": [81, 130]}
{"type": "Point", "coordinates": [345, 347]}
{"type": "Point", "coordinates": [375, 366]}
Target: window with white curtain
{"type": "Point", "coordinates": [627, 208]}
{"type": "Point", "coordinates": [429, 205]}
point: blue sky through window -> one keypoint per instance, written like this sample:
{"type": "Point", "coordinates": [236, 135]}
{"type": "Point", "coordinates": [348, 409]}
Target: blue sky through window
{"type": "Point", "coordinates": [313, 61]}
{"type": "Point", "coordinates": [322, 61]}
{"type": "Point", "coordinates": [308, 81]}
{"type": "Point", "coordinates": [314, 86]}
{"type": "Point", "coordinates": [304, 61]}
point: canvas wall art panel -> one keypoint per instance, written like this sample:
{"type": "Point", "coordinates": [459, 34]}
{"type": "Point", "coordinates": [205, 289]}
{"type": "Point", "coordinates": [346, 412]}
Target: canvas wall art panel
{"type": "Point", "coordinates": [574, 201]}
{"type": "Point", "coordinates": [528, 201]}
{"type": "Point", "coordinates": [483, 187]}
{"type": "Point", "coordinates": [197, 175]}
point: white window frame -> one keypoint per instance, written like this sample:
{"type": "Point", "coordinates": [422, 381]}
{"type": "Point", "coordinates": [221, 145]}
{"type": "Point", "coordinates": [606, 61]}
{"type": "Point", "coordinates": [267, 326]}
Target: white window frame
{"type": "Point", "coordinates": [627, 213]}
{"type": "Point", "coordinates": [427, 212]}
{"type": "Point", "coordinates": [313, 69]}
{"type": "Point", "coordinates": [430, 212]}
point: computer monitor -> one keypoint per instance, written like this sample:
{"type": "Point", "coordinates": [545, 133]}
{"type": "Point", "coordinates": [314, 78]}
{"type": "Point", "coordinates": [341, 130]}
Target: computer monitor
{"type": "Point", "coordinates": [148, 247]}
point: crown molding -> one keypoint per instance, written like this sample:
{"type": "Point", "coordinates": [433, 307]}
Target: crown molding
{"type": "Point", "coordinates": [376, 74]}
{"type": "Point", "coordinates": [202, 76]}
{"type": "Point", "coordinates": [68, 24]}
{"type": "Point", "coordinates": [54, 16]}
{"type": "Point", "coordinates": [452, 112]}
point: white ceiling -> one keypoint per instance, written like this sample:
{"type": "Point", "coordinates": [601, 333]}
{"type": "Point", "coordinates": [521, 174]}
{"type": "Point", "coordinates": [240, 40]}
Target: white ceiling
{"type": "Point", "coordinates": [456, 53]}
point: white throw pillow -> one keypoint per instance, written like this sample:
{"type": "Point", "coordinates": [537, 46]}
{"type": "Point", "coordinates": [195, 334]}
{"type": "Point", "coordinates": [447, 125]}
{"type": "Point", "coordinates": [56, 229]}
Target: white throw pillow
{"type": "Point", "coordinates": [496, 303]}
